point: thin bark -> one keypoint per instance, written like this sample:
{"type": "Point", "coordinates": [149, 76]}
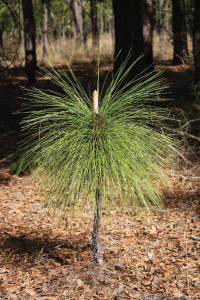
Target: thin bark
{"type": "Point", "coordinates": [179, 32]}
{"type": "Point", "coordinates": [44, 31]}
{"type": "Point", "coordinates": [196, 42]}
{"type": "Point", "coordinates": [97, 247]}
{"type": "Point", "coordinates": [95, 32]}
{"type": "Point", "coordinates": [29, 32]}
{"type": "Point", "coordinates": [128, 35]}
{"type": "Point", "coordinates": [148, 24]}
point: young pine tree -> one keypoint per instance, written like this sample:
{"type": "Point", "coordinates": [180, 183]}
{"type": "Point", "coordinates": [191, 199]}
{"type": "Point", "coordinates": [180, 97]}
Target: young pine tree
{"type": "Point", "coordinates": [83, 147]}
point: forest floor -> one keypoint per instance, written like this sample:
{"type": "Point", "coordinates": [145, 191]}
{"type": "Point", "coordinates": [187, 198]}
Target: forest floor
{"type": "Point", "coordinates": [146, 256]}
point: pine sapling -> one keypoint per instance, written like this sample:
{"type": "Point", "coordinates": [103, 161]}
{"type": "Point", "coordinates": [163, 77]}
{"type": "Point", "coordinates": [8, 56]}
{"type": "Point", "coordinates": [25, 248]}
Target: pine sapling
{"type": "Point", "coordinates": [86, 151]}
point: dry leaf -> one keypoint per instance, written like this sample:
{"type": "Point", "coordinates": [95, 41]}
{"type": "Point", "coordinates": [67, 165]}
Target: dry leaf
{"type": "Point", "coordinates": [157, 282]}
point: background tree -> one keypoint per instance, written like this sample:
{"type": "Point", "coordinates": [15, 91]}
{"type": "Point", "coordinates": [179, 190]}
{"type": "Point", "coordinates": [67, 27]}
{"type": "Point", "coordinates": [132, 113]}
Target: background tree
{"type": "Point", "coordinates": [148, 26]}
{"type": "Point", "coordinates": [179, 32]}
{"type": "Point", "coordinates": [128, 34]}
{"type": "Point", "coordinates": [196, 42]}
{"type": "Point", "coordinates": [84, 28]}
{"type": "Point", "coordinates": [161, 16]}
{"type": "Point", "coordinates": [44, 30]}
{"type": "Point", "coordinates": [14, 9]}
{"type": "Point", "coordinates": [29, 32]}
{"type": "Point", "coordinates": [95, 32]}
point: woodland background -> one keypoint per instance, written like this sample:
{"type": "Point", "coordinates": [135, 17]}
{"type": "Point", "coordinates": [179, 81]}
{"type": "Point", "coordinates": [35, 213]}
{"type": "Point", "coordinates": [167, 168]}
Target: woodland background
{"type": "Point", "coordinates": [43, 256]}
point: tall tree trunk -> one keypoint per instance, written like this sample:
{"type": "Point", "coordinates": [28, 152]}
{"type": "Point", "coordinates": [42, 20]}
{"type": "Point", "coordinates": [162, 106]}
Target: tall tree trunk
{"type": "Point", "coordinates": [52, 19]}
{"type": "Point", "coordinates": [13, 9]}
{"type": "Point", "coordinates": [196, 43]}
{"type": "Point", "coordinates": [29, 32]}
{"type": "Point", "coordinates": [44, 31]}
{"type": "Point", "coordinates": [101, 19]}
{"type": "Point", "coordinates": [95, 33]}
{"type": "Point", "coordinates": [161, 16]}
{"type": "Point", "coordinates": [21, 42]}
{"type": "Point", "coordinates": [148, 25]}
{"type": "Point", "coordinates": [1, 38]}
{"type": "Point", "coordinates": [179, 32]}
{"type": "Point", "coordinates": [63, 23]}
{"type": "Point", "coordinates": [128, 35]}
{"type": "Point", "coordinates": [72, 20]}
{"type": "Point", "coordinates": [84, 29]}
{"type": "Point", "coordinates": [79, 22]}
{"type": "Point", "coordinates": [167, 20]}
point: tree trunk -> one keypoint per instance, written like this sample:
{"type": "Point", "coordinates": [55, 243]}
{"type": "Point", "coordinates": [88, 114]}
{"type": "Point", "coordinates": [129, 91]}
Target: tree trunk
{"type": "Point", "coordinates": [13, 9]}
{"type": "Point", "coordinates": [196, 42]}
{"type": "Point", "coordinates": [79, 22]}
{"type": "Point", "coordinates": [180, 33]}
{"type": "Point", "coordinates": [1, 38]}
{"type": "Point", "coordinates": [72, 20]}
{"type": "Point", "coordinates": [167, 17]}
{"type": "Point", "coordinates": [21, 42]}
{"type": "Point", "coordinates": [44, 31]}
{"type": "Point", "coordinates": [52, 19]}
{"type": "Point", "coordinates": [95, 33]}
{"type": "Point", "coordinates": [97, 247]}
{"type": "Point", "coordinates": [128, 35]}
{"type": "Point", "coordinates": [161, 16]}
{"type": "Point", "coordinates": [101, 19]}
{"type": "Point", "coordinates": [29, 32]}
{"type": "Point", "coordinates": [84, 29]}
{"type": "Point", "coordinates": [63, 23]}
{"type": "Point", "coordinates": [108, 19]}
{"type": "Point", "coordinates": [148, 25]}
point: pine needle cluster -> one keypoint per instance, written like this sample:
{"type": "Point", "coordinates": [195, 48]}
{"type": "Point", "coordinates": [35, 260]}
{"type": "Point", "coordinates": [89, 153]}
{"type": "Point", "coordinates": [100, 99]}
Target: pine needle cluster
{"type": "Point", "coordinates": [75, 151]}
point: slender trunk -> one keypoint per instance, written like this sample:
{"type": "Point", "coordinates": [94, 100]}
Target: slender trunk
{"type": "Point", "coordinates": [79, 22]}
{"type": "Point", "coordinates": [191, 17]}
{"type": "Point", "coordinates": [196, 43]}
{"type": "Point", "coordinates": [108, 18]}
{"type": "Point", "coordinates": [113, 30]}
{"type": "Point", "coordinates": [97, 247]}
{"type": "Point", "coordinates": [101, 19]}
{"type": "Point", "coordinates": [72, 20]}
{"type": "Point", "coordinates": [29, 32]}
{"type": "Point", "coordinates": [128, 35]}
{"type": "Point", "coordinates": [95, 33]}
{"type": "Point", "coordinates": [52, 20]}
{"type": "Point", "coordinates": [148, 24]}
{"type": "Point", "coordinates": [44, 31]}
{"type": "Point", "coordinates": [63, 23]}
{"type": "Point", "coordinates": [84, 29]}
{"type": "Point", "coordinates": [180, 33]}
{"type": "Point", "coordinates": [21, 42]}
{"type": "Point", "coordinates": [161, 16]}
{"type": "Point", "coordinates": [1, 38]}
{"type": "Point", "coordinates": [167, 26]}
